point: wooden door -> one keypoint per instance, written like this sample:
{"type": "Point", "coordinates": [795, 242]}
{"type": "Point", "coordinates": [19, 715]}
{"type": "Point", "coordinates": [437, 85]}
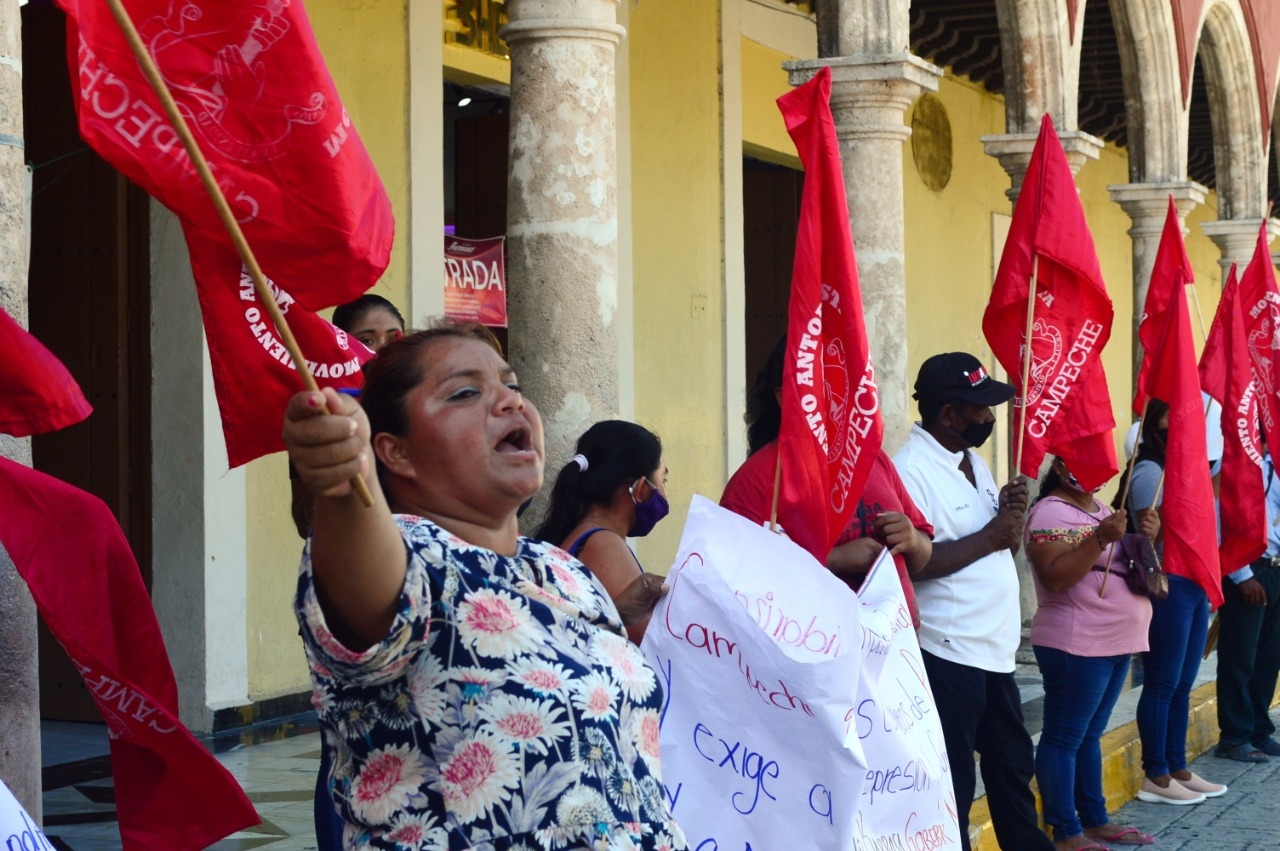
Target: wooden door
{"type": "Point", "coordinates": [89, 303]}
{"type": "Point", "coordinates": [771, 210]}
{"type": "Point", "coordinates": [480, 181]}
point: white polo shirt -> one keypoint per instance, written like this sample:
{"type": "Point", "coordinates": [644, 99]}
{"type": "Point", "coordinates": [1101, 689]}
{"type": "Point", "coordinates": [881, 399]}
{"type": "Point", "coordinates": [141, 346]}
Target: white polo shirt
{"type": "Point", "coordinates": [971, 617]}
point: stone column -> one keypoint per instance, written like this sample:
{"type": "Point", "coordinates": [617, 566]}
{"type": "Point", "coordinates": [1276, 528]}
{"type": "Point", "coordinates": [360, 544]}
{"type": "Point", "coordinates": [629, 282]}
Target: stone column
{"type": "Point", "coordinates": [1148, 205]}
{"type": "Point", "coordinates": [1013, 150]}
{"type": "Point", "coordinates": [1237, 239]}
{"type": "Point", "coordinates": [562, 214]}
{"type": "Point", "coordinates": [19, 680]}
{"type": "Point", "coordinates": [870, 95]}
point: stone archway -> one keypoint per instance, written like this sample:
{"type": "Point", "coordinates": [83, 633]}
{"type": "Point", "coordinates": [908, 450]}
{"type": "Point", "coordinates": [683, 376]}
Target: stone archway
{"type": "Point", "coordinates": [1227, 62]}
{"type": "Point", "coordinates": [1156, 123]}
{"type": "Point", "coordinates": [1041, 64]}
{"type": "Point", "coordinates": [1040, 46]}
{"type": "Point", "coordinates": [1154, 108]}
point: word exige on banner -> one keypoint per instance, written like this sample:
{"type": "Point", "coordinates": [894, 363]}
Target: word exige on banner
{"type": "Point", "coordinates": [757, 647]}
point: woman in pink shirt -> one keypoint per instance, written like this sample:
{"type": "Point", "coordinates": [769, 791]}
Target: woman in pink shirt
{"type": "Point", "coordinates": [1083, 636]}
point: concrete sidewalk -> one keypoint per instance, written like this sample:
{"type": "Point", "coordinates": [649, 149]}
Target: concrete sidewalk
{"type": "Point", "coordinates": [276, 764]}
{"type": "Point", "coordinates": [1247, 817]}
{"type": "Point", "coordinates": [1243, 818]}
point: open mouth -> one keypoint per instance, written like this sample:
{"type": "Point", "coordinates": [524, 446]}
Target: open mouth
{"type": "Point", "coordinates": [519, 439]}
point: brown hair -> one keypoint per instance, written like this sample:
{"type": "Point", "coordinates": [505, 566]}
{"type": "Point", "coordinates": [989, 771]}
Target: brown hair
{"type": "Point", "coordinates": [398, 369]}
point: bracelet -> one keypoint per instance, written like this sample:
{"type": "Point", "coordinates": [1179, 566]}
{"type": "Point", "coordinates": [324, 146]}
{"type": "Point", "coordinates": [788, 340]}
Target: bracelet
{"type": "Point", "coordinates": [1101, 546]}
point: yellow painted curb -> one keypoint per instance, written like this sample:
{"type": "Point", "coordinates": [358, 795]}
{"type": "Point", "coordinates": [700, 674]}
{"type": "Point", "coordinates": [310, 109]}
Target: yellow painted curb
{"type": "Point", "coordinates": [1121, 764]}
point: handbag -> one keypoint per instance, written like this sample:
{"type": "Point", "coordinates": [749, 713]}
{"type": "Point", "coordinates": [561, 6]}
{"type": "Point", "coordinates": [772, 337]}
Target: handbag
{"type": "Point", "coordinates": [1143, 574]}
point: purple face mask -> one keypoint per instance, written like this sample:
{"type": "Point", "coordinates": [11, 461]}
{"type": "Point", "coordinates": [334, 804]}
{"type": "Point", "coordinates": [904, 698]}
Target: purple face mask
{"type": "Point", "coordinates": [648, 512]}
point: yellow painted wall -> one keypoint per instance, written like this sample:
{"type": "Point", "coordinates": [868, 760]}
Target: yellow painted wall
{"type": "Point", "coordinates": [764, 135]}
{"type": "Point", "coordinates": [676, 213]}
{"type": "Point", "coordinates": [946, 296]}
{"type": "Point", "coordinates": [375, 93]}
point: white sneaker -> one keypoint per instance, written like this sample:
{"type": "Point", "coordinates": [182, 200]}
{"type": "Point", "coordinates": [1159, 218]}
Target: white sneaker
{"type": "Point", "coordinates": [1199, 785]}
{"type": "Point", "coordinates": [1174, 793]}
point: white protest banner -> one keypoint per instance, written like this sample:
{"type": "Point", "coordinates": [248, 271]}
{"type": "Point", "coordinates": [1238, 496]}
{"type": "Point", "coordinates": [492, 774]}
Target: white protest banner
{"type": "Point", "coordinates": [19, 831]}
{"type": "Point", "coordinates": [757, 645]}
{"type": "Point", "coordinates": [907, 800]}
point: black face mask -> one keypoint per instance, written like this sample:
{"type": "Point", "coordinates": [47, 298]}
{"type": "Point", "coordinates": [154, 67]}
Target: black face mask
{"type": "Point", "coordinates": [974, 434]}
{"type": "Point", "coordinates": [1160, 440]}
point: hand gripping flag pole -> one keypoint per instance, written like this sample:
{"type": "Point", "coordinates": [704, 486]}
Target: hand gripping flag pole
{"type": "Point", "coordinates": [219, 200]}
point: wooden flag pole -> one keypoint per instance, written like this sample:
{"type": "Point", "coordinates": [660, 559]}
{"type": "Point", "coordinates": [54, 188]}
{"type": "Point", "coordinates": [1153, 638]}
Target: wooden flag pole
{"type": "Point", "coordinates": [1195, 300]}
{"type": "Point", "coordinates": [1211, 637]}
{"type": "Point", "coordinates": [224, 209]}
{"type": "Point", "coordinates": [1124, 492]}
{"type": "Point", "coordinates": [1026, 365]}
{"type": "Point", "coordinates": [777, 488]}
{"type": "Point", "coordinates": [1204, 336]}
{"type": "Point", "coordinates": [1133, 459]}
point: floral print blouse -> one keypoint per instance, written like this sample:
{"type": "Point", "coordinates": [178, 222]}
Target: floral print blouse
{"type": "Point", "coordinates": [505, 710]}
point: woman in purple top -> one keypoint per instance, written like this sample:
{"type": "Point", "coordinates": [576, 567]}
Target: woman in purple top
{"type": "Point", "coordinates": [1083, 635]}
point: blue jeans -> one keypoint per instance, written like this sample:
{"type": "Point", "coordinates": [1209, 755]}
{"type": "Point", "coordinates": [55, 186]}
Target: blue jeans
{"type": "Point", "coordinates": [1178, 627]}
{"type": "Point", "coordinates": [328, 823]}
{"type": "Point", "coordinates": [1079, 694]}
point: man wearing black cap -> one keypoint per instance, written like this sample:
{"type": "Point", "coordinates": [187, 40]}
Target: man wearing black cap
{"type": "Point", "coordinates": [970, 621]}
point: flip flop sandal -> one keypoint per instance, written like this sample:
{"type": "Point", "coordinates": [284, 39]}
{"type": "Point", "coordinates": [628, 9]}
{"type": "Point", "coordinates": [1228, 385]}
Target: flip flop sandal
{"type": "Point", "coordinates": [1270, 747]}
{"type": "Point", "coordinates": [1242, 753]}
{"type": "Point", "coordinates": [1126, 836]}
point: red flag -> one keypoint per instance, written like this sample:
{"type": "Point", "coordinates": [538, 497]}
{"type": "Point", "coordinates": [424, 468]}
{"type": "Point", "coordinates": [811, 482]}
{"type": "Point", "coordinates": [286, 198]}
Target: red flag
{"type": "Point", "coordinates": [1065, 408]}
{"type": "Point", "coordinates": [170, 792]}
{"type": "Point", "coordinates": [1169, 274]}
{"type": "Point", "coordinates": [1241, 495]}
{"type": "Point", "coordinates": [1190, 538]}
{"type": "Point", "coordinates": [37, 394]}
{"type": "Point", "coordinates": [1260, 308]}
{"type": "Point", "coordinates": [249, 79]}
{"type": "Point", "coordinates": [253, 375]}
{"type": "Point", "coordinates": [1213, 360]}
{"type": "Point", "coordinates": [831, 428]}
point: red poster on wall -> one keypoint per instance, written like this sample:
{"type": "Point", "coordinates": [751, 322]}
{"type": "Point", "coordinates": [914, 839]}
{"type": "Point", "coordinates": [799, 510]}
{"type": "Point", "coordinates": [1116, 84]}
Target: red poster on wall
{"type": "Point", "coordinates": [475, 281]}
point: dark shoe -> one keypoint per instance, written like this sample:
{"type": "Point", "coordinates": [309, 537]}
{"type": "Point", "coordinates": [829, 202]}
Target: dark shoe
{"type": "Point", "coordinates": [1270, 747]}
{"type": "Point", "coordinates": [1241, 753]}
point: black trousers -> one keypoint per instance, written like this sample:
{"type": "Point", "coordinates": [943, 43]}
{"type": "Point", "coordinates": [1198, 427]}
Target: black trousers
{"type": "Point", "coordinates": [981, 711]}
{"type": "Point", "coordinates": [1248, 660]}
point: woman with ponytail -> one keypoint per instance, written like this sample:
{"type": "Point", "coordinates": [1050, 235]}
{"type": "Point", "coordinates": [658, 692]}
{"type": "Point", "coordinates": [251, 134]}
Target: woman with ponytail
{"type": "Point", "coordinates": [1179, 624]}
{"type": "Point", "coordinates": [614, 488]}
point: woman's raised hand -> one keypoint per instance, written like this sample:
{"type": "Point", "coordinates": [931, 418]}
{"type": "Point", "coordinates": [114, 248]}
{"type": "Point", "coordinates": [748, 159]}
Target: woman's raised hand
{"type": "Point", "coordinates": [1149, 522]}
{"type": "Point", "coordinates": [328, 448]}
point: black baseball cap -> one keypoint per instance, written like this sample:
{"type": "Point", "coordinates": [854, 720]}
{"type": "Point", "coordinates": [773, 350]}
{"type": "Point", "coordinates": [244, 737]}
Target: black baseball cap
{"type": "Point", "coordinates": [961, 377]}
